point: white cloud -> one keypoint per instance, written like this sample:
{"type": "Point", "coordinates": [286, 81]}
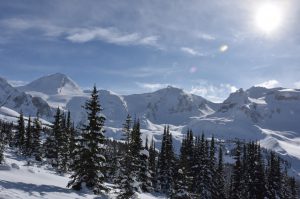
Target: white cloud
{"type": "Point", "coordinates": [206, 36]}
{"type": "Point", "coordinates": [151, 40]}
{"type": "Point", "coordinates": [215, 93]}
{"type": "Point", "coordinates": [268, 84]}
{"type": "Point", "coordinates": [297, 85]}
{"type": "Point", "coordinates": [82, 35]}
{"type": "Point", "coordinates": [191, 51]}
{"type": "Point", "coordinates": [151, 87]}
{"type": "Point", "coordinates": [110, 35]}
{"type": "Point", "coordinates": [21, 25]}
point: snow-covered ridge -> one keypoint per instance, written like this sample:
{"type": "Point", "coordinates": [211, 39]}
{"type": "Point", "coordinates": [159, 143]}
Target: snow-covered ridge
{"type": "Point", "coordinates": [245, 114]}
{"type": "Point", "coordinates": [16, 100]}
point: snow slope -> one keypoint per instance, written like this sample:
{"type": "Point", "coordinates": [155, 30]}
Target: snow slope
{"type": "Point", "coordinates": [10, 115]}
{"type": "Point", "coordinates": [19, 181]}
{"type": "Point", "coordinates": [16, 100]}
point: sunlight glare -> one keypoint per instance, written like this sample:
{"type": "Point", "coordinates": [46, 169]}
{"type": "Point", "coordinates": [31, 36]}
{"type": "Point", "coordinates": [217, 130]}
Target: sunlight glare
{"type": "Point", "coordinates": [268, 17]}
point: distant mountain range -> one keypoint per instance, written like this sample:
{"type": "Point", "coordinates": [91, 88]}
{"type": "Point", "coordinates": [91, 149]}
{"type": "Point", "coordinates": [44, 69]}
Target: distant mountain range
{"type": "Point", "coordinates": [271, 116]}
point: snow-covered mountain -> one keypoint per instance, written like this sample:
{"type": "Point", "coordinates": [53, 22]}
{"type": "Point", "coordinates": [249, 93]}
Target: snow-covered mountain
{"type": "Point", "coordinates": [16, 100]}
{"type": "Point", "coordinates": [57, 89]}
{"type": "Point", "coordinates": [53, 84]}
{"type": "Point", "coordinates": [169, 106]}
{"type": "Point", "coordinates": [270, 116]}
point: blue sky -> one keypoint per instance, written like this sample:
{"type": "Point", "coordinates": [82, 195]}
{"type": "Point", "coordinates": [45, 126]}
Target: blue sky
{"type": "Point", "coordinates": [207, 47]}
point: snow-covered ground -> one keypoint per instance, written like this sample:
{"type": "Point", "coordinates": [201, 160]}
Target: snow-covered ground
{"type": "Point", "coordinates": [20, 181]}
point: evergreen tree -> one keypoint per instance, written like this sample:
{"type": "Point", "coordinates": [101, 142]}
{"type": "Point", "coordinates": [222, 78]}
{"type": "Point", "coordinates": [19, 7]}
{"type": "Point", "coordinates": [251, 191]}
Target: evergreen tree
{"type": "Point", "coordinates": [181, 187]}
{"type": "Point", "coordinates": [54, 141]}
{"type": "Point", "coordinates": [113, 156]}
{"type": "Point", "coordinates": [126, 175]}
{"type": "Point", "coordinates": [64, 152]}
{"type": "Point", "coordinates": [258, 179]}
{"type": "Point", "coordinates": [135, 148]}
{"type": "Point", "coordinates": [166, 163]}
{"type": "Point", "coordinates": [127, 129]}
{"type": "Point", "coordinates": [72, 145]}
{"type": "Point", "coordinates": [294, 189]}
{"type": "Point", "coordinates": [274, 177]}
{"type": "Point", "coordinates": [60, 140]}
{"type": "Point", "coordinates": [28, 139]}
{"type": "Point", "coordinates": [202, 168]}
{"type": "Point", "coordinates": [219, 180]}
{"type": "Point", "coordinates": [245, 158]}
{"type": "Point", "coordinates": [187, 158]}
{"type": "Point", "coordinates": [184, 172]}
{"type": "Point", "coordinates": [89, 164]}
{"type": "Point", "coordinates": [236, 178]}
{"type": "Point", "coordinates": [206, 192]}
{"type": "Point", "coordinates": [211, 167]}
{"type": "Point", "coordinates": [145, 175]}
{"type": "Point", "coordinates": [152, 164]}
{"type": "Point", "coordinates": [285, 191]}
{"type": "Point", "coordinates": [36, 142]}
{"type": "Point", "coordinates": [199, 165]}
{"type": "Point", "coordinates": [2, 143]}
{"type": "Point", "coordinates": [70, 133]}
{"type": "Point", "coordinates": [20, 133]}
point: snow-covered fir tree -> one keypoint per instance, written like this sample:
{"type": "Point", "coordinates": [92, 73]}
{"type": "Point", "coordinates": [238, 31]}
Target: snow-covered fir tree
{"type": "Point", "coordinates": [219, 178]}
{"type": "Point", "coordinates": [36, 141]}
{"type": "Point", "coordinates": [274, 176]}
{"type": "Point", "coordinates": [145, 174]}
{"type": "Point", "coordinates": [153, 164]}
{"type": "Point", "coordinates": [135, 148]}
{"type": "Point", "coordinates": [2, 143]}
{"type": "Point", "coordinates": [28, 139]}
{"type": "Point", "coordinates": [166, 164]}
{"type": "Point", "coordinates": [126, 178]}
{"type": "Point", "coordinates": [183, 179]}
{"type": "Point", "coordinates": [236, 186]}
{"type": "Point", "coordinates": [89, 163]}
{"type": "Point", "coordinates": [51, 143]}
{"type": "Point", "coordinates": [20, 133]}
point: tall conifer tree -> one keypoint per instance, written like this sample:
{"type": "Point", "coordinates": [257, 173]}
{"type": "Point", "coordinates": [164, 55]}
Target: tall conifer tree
{"type": "Point", "coordinates": [28, 139]}
{"type": "Point", "coordinates": [20, 133]}
{"type": "Point", "coordinates": [89, 164]}
{"type": "Point", "coordinates": [36, 142]}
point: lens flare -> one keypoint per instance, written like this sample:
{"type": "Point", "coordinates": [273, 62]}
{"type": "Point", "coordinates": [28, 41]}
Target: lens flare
{"type": "Point", "coordinates": [223, 48]}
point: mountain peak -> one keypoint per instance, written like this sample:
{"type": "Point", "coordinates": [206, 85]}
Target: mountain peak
{"type": "Point", "coordinates": [58, 75]}
{"type": "Point", "coordinates": [170, 89]}
{"type": "Point", "coordinates": [53, 84]}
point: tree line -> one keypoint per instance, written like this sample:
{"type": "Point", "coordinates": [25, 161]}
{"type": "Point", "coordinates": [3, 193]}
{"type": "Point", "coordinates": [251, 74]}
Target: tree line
{"type": "Point", "coordinates": [198, 171]}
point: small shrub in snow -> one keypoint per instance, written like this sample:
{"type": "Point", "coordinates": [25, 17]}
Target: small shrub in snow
{"type": "Point", "coordinates": [15, 166]}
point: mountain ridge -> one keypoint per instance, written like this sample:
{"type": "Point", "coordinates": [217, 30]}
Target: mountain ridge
{"type": "Point", "coordinates": [270, 116]}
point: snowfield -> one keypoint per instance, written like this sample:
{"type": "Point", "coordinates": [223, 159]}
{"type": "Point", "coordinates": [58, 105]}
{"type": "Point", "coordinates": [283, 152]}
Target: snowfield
{"type": "Point", "coordinates": [20, 181]}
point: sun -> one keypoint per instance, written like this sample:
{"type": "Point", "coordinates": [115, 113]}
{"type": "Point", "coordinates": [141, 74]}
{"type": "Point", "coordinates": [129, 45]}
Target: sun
{"type": "Point", "coordinates": [268, 18]}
